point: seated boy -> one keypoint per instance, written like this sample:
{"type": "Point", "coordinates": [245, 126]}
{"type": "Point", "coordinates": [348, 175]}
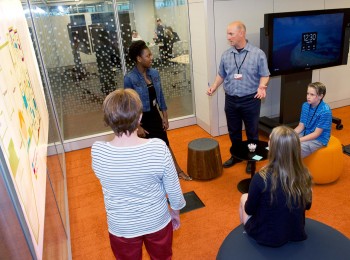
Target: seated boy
{"type": "Point", "coordinates": [315, 123]}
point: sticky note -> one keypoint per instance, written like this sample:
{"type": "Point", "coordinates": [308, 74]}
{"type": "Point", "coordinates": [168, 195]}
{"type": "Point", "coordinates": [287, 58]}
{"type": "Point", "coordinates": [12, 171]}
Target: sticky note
{"type": "Point", "coordinates": [257, 157]}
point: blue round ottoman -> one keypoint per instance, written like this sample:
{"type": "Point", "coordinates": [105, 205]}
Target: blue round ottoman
{"type": "Point", "coordinates": [323, 243]}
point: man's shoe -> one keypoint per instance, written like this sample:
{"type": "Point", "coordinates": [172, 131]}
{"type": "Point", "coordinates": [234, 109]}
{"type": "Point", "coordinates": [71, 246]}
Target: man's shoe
{"type": "Point", "coordinates": [248, 169]}
{"type": "Point", "coordinates": [230, 162]}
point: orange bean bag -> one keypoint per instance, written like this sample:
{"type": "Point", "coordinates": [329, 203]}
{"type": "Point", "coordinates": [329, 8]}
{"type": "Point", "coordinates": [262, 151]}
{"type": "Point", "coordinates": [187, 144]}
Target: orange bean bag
{"type": "Point", "coordinates": [326, 164]}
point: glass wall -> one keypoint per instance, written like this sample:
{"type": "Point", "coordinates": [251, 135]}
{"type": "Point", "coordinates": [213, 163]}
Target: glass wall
{"type": "Point", "coordinates": [56, 237]}
{"type": "Point", "coordinates": [84, 51]}
{"type": "Point", "coordinates": [56, 228]}
{"type": "Point", "coordinates": [13, 243]}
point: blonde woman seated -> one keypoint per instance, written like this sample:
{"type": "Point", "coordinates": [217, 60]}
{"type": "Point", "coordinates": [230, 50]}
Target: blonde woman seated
{"type": "Point", "coordinates": [137, 175]}
{"type": "Point", "coordinates": [273, 211]}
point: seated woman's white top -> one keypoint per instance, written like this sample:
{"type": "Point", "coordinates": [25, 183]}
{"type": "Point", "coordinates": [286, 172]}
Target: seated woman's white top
{"type": "Point", "coordinates": [137, 38]}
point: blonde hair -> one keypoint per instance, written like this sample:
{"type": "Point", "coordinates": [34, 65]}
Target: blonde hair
{"type": "Point", "coordinates": [286, 167]}
{"type": "Point", "coordinates": [169, 32]}
{"type": "Point", "coordinates": [319, 87]}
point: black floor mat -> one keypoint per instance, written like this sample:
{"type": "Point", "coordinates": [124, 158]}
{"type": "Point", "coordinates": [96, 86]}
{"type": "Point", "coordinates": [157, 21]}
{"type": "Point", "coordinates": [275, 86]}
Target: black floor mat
{"type": "Point", "coordinates": [192, 202]}
{"type": "Point", "coordinates": [346, 149]}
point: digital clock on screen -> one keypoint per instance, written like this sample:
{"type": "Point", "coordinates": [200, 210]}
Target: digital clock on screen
{"type": "Point", "coordinates": [308, 41]}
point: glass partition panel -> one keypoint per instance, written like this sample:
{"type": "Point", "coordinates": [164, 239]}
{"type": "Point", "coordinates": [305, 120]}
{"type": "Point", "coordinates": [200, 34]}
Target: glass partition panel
{"type": "Point", "coordinates": [55, 238]}
{"type": "Point", "coordinates": [55, 173]}
{"type": "Point", "coordinates": [13, 244]}
{"type": "Point", "coordinates": [164, 26]}
{"type": "Point", "coordinates": [55, 162]}
{"type": "Point", "coordinates": [80, 53]}
{"type": "Point", "coordinates": [56, 229]}
{"type": "Point", "coordinates": [84, 51]}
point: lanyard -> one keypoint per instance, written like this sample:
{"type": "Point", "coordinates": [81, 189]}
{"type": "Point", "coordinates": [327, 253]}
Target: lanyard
{"type": "Point", "coordinates": [238, 68]}
{"type": "Point", "coordinates": [309, 121]}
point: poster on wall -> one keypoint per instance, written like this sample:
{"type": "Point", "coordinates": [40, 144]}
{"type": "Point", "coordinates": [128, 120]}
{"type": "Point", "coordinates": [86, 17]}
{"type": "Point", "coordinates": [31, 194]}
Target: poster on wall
{"type": "Point", "coordinates": [23, 118]}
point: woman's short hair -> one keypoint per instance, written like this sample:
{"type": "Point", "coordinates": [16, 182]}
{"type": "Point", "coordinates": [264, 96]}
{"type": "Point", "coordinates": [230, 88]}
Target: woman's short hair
{"type": "Point", "coordinates": [122, 111]}
{"type": "Point", "coordinates": [136, 48]}
{"type": "Point", "coordinates": [319, 87]}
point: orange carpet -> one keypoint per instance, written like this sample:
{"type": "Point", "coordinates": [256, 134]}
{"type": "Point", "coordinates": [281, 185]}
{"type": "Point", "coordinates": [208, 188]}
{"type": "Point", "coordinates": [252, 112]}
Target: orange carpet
{"type": "Point", "coordinates": [203, 230]}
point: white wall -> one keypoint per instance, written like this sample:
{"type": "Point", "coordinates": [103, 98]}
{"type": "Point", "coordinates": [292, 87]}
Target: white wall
{"type": "Point", "coordinates": [199, 48]}
{"type": "Point", "coordinates": [217, 15]}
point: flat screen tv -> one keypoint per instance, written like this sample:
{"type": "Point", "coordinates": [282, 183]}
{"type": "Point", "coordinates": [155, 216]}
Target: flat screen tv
{"type": "Point", "coordinates": [306, 40]}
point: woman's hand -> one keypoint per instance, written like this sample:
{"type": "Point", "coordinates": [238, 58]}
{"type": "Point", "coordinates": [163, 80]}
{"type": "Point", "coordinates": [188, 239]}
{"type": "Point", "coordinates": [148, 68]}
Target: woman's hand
{"type": "Point", "coordinates": [165, 124]}
{"type": "Point", "coordinates": [165, 120]}
{"type": "Point", "coordinates": [175, 218]}
{"type": "Point", "coordinates": [141, 132]}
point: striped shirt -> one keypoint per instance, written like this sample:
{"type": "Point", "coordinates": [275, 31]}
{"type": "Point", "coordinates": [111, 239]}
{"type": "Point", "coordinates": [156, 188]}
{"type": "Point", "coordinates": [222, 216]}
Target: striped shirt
{"type": "Point", "coordinates": [135, 181]}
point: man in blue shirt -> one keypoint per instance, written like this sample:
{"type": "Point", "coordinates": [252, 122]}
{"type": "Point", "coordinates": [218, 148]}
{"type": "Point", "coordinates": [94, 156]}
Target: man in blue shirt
{"type": "Point", "coordinates": [243, 70]}
{"type": "Point", "coordinates": [315, 123]}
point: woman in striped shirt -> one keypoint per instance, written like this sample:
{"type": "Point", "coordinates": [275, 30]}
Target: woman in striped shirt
{"type": "Point", "coordinates": [136, 175]}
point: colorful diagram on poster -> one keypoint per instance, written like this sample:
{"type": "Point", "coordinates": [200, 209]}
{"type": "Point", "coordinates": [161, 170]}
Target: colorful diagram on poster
{"type": "Point", "coordinates": [23, 119]}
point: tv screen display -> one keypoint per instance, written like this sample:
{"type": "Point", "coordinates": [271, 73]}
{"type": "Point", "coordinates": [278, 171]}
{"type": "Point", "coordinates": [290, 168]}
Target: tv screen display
{"type": "Point", "coordinates": [306, 40]}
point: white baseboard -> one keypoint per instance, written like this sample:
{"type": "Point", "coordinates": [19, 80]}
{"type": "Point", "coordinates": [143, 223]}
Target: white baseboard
{"type": "Point", "coordinates": [86, 141]}
{"type": "Point", "coordinates": [340, 103]}
{"type": "Point", "coordinates": [182, 122]}
{"type": "Point", "coordinates": [203, 125]}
